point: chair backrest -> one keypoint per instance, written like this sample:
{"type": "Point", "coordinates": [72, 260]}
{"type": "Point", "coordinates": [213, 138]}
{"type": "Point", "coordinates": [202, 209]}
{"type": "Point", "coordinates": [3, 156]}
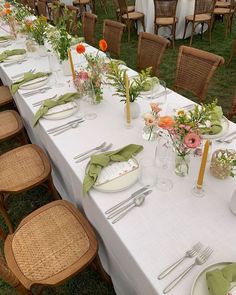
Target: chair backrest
{"type": "Point", "coordinates": [232, 111]}
{"type": "Point", "coordinates": [88, 26]}
{"type": "Point", "coordinates": [24, 2]}
{"type": "Point", "coordinates": [42, 8]}
{"type": "Point", "coordinates": [150, 51]}
{"type": "Point", "coordinates": [195, 69]}
{"type": "Point", "coordinates": [32, 5]}
{"type": "Point", "coordinates": [72, 20]}
{"type": "Point", "coordinates": [56, 11]}
{"type": "Point", "coordinates": [123, 7]}
{"type": "Point", "coordinates": [204, 6]}
{"type": "Point", "coordinates": [112, 33]}
{"type": "Point", "coordinates": [165, 8]}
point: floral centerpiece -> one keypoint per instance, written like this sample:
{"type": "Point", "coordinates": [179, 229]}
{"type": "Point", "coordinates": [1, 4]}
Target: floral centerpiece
{"type": "Point", "coordinates": [37, 29]}
{"type": "Point", "coordinates": [96, 67]}
{"type": "Point", "coordinates": [7, 16]}
{"type": "Point", "coordinates": [151, 121]}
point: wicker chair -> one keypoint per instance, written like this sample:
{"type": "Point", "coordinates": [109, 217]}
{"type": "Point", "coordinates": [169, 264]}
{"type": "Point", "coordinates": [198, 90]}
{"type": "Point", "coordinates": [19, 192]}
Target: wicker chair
{"type": "Point", "coordinates": [150, 51]}
{"type": "Point", "coordinates": [42, 8]}
{"type": "Point", "coordinates": [88, 27]}
{"type": "Point", "coordinates": [72, 20]}
{"type": "Point", "coordinates": [203, 14]}
{"type": "Point", "coordinates": [222, 4]}
{"type": "Point", "coordinates": [128, 18]}
{"type": "Point", "coordinates": [112, 33]}
{"type": "Point", "coordinates": [232, 111]}
{"type": "Point", "coordinates": [56, 11]}
{"type": "Point", "coordinates": [195, 69]}
{"type": "Point", "coordinates": [23, 168]}
{"type": "Point", "coordinates": [165, 16]}
{"type": "Point", "coordinates": [228, 14]}
{"type": "Point", "coordinates": [49, 246]}
{"type": "Point", "coordinates": [81, 5]}
{"type": "Point", "coordinates": [5, 96]}
{"type": "Point", "coordinates": [118, 14]}
{"type": "Point", "coordinates": [32, 5]}
{"type": "Point", "coordinates": [11, 126]}
{"type": "Point", "coordinates": [233, 51]}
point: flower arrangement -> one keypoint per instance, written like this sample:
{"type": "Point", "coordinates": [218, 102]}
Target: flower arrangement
{"type": "Point", "coordinates": [223, 163]}
{"type": "Point", "coordinates": [151, 121]}
{"type": "Point", "coordinates": [142, 82]}
{"type": "Point", "coordinates": [6, 14]}
{"type": "Point", "coordinates": [96, 66]}
{"type": "Point", "coordinates": [37, 29]}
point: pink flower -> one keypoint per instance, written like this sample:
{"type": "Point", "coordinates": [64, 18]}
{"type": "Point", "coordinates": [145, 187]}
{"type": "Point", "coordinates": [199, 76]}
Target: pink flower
{"type": "Point", "coordinates": [192, 140]}
{"type": "Point", "coordinates": [155, 108]}
{"type": "Point", "coordinates": [149, 119]}
{"type": "Point", "coordinates": [83, 75]}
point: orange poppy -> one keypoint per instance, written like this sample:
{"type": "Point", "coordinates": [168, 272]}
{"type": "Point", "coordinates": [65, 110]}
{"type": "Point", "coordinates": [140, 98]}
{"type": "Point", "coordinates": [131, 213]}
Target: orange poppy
{"type": "Point", "coordinates": [166, 122]}
{"type": "Point", "coordinates": [7, 5]}
{"type": "Point", "coordinates": [8, 11]}
{"type": "Point", "coordinates": [103, 45]}
{"type": "Point", "coordinates": [80, 48]}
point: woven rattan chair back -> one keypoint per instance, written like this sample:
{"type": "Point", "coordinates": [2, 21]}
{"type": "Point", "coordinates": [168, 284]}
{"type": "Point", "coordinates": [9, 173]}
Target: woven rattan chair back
{"type": "Point", "coordinates": [56, 11]}
{"type": "Point", "coordinates": [204, 6]}
{"type": "Point", "coordinates": [165, 8]}
{"type": "Point", "coordinates": [150, 51]}
{"type": "Point", "coordinates": [42, 7]}
{"type": "Point", "coordinates": [72, 20]}
{"type": "Point", "coordinates": [32, 5]}
{"type": "Point", "coordinates": [24, 2]}
{"type": "Point", "coordinates": [195, 69]}
{"type": "Point", "coordinates": [88, 26]}
{"type": "Point", "coordinates": [112, 33]}
{"type": "Point", "coordinates": [49, 246]}
{"type": "Point", "coordinates": [5, 96]}
{"type": "Point", "coordinates": [232, 111]}
{"type": "Point", "coordinates": [123, 7]}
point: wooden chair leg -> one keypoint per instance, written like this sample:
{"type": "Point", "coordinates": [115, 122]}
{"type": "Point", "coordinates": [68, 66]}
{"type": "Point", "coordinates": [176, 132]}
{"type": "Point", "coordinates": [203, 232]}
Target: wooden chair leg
{"type": "Point", "coordinates": [129, 27]}
{"type": "Point", "coordinates": [191, 38]}
{"type": "Point", "coordinates": [6, 217]}
{"type": "Point", "coordinates": [173, 36]}
{"type": "Point", "coordinates": [21, 290]}
{"type": "Point", "coordinates": [143, 24]}
{"type": "Point", "coordinates": [185, 28]}
{"type": "Point", "coordinates": [52, 189]}
{"type": "Point", "coordinates": [98, 266]}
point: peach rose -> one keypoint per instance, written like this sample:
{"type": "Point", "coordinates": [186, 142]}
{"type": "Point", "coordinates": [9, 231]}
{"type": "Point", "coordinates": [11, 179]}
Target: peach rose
{"type": "Point", "coordinates": [7, 5]}
{"type": "Point", "coordinates": [155, 108]}
{"type": "Point", "coordinates": [166, 122]}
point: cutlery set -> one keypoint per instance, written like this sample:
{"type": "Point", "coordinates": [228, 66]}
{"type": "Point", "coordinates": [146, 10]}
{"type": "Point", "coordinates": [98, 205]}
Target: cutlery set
{"type": "Point", "coordinates": [196, 250]}
{"type": "Point", "coordinates": [41, 90]}
{"type": "Point", "coordinates": [15, 63]}
{"type": "Point", "coordinates": [39, 103]}
{"type": "Point", "coordinates": [22, 74]}
{"type": "Point", "coordinates": [62, 128]}
{"type": "Point", "coordinates": [124, 207]}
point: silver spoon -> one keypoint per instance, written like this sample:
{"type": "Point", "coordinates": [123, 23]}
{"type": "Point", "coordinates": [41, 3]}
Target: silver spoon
{"type": "Point", "coordinates": [138, 201]}
{"type": "Point", "coordinates": [74, 125]}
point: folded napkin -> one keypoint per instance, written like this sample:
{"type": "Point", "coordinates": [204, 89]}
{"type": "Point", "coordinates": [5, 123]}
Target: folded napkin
{"type": "Point", "coordinates": [97, 162]}
{"type": "Point", "coordinates": [5, 54]}
{"type": "Point", "coordinates": [215, 122]}
{"type": "Point", "coordinates": [26, 78]}
{"type": "Point", "coordinates": [150, 83]}
{"type": "Point", "coordinates": [5, 38]}
{"type": "Point", "coordinates": [218, 280]}
{"type": "Point", "coordinates": [48, 104]}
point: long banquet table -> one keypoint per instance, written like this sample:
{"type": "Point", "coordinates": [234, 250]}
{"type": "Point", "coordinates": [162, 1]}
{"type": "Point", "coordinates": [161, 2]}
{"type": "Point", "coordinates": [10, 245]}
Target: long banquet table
{"type": "Point", "coordinates": [184, 8]}
{"type": "Point", "coordinates": [136, 249]}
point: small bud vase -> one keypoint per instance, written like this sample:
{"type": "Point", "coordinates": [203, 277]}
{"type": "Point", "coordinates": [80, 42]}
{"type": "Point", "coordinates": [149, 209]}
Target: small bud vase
{"type": "Point", "coordinates": [150, 133]}
{"type": "Point", "coordinates": [182, 165]}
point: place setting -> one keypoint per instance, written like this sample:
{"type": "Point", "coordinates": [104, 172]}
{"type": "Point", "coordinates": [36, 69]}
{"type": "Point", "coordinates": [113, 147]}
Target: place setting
{"type": "Point", "coordinates": [13, 57]}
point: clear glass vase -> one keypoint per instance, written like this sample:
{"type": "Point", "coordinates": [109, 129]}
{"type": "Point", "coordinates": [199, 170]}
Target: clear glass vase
{"type": "Point", "coordinates": [182, 165]}
{"type": "Point", "coordinates": [149, 133]}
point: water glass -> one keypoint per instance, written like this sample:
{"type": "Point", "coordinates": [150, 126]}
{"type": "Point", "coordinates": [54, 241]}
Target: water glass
{"type": "Point", "coordinates": [148, 172]}
{"type": "Point", "coordinates": [161, 100]}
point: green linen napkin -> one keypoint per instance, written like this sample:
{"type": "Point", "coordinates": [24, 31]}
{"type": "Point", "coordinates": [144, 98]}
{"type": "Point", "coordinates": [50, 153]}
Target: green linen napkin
{"type": "Point", "coordinates": [215, 119]}
{"type": "Point", "coordinates": [218, 280]}
{"type": "Point", "coordinates": [48, 104]}
{"type": "Point", "coordinates": [150, 83]}
{"type": "Point", "coordinates": [26, 78]}
{"type": "Point", "coordinates": [97, 162]}
{"type": "Point", "coordinates": [5, 38]}
{"type": "Point", "coordinates": [5, 54]}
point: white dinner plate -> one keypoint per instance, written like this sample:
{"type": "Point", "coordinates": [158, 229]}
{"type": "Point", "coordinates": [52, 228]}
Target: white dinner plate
{"type": "Point", "coordinates": [14, 58]}
{"type": "Point", "coordinates": [120, 183]}
{"type": "Point", "coordinates": [67, 112]}
{"type": "Point", "coordinates": [34, 84]}
{"type": "Point", "coordinates": [199, 286]}
{"type": "Point", "coordinates": [225, 128]}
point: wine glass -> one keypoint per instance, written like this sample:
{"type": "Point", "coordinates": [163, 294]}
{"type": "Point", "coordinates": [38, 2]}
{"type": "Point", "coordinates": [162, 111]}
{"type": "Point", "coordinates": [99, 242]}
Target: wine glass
{"type": "Point", "coordinates": [163, 158]}
{"type": "Point", "coordinates": [160, 96]}
{"type": "Point", "coordinates": [54, 67]}
{"type": "Point", "coordinates": [148, 172]}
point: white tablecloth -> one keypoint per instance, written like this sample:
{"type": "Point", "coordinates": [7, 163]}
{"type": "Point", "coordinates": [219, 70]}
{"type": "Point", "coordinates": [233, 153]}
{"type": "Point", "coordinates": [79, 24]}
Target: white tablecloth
{"type": "Point", "coordinates": [136, 249]}
{"type": "Point", "coordinates": [184, 8]}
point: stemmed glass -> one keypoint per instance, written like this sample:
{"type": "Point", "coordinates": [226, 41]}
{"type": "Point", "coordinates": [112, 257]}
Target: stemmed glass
{"type": "Point", "coordinates": [89, 97]}
{"type": "Point", "coordinates": [163, 158]}
{"type": "Point", "coordinates": [54, 67]}
{"type": "Point", "coordinates": [160, 100]}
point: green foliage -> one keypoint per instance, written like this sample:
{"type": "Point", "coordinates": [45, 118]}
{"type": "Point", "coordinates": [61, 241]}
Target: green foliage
{"type": "Point", "coordinates": [38, 29]}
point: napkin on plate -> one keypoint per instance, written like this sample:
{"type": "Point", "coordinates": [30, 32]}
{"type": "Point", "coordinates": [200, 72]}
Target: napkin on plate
{"type": "Point", "coordinates": [97, 162]}
{"type": "Point", "coordinates": [215, 120]}
{"type": "Point", "coordinates": [48, 104]}
{"type": "Point", "coordinates": [150, 83]}
{"type": "Point", "coordinates": [5, 38]}
{"type": "Point", "coordinates": [218, 280]}
{"type": "Point", "coordinates": [5, 54]}
{"type": "Point", "coordinates": [26, 78]}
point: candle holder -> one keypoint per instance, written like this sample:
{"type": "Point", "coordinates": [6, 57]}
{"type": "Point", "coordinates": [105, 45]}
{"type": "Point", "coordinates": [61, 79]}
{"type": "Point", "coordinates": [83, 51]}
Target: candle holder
{"type": "Point", "coordinates": [198, 191]}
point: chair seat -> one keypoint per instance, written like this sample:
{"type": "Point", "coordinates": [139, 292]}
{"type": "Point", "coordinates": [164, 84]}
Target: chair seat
{"type": "Point", "coordinates": [220, 10]}
{"type": "Point", "coordinates": [130, 9]}
{"type": "Point", "coordinates": [5, 95]}
{"type": "Point", "coordinates": [81, 2]}
{"type": "Point", "coordinates": [165, 21]}
{"type": "Point", "coordinates": [133, 15]}
{"type": "Point", "coordinates": [199, 17]}
{"type": "Point", "coordinates": [50, 245]}
{"type": "Point", "coordinates": [222, 4]}
{"type": "Point", "coordinates": [10, 124]}
{"type": "Point", "coordinates": [30, 165]}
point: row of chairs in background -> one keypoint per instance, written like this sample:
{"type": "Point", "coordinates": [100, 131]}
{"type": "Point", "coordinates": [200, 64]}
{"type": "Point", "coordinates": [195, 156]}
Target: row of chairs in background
{"type": "Point", "coordinates": [53, 243]}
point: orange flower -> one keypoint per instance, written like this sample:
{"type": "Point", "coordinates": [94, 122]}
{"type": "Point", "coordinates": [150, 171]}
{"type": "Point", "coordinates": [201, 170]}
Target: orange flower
{"type": "Point", "coordinates": [7, 5]}
{"type": "Point", "coordinates": [166, 122]}
{"type": "Point", "coordinates": [8, 11]}
{"type": "Point", "coordinates": [103, 45]}
{"type": "Point", "coordinates": [80, 48]}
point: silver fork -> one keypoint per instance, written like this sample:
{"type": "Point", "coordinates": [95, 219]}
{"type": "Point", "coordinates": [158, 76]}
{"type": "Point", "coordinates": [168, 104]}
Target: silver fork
{"type": "Point", "coordinates": [229, 140]}
{"type": "Point", "coordinates": [97, 148]}
{"type": "Point", "coordinates": [189, 254]}
{"type": "Point", "coordinates": [200, 259]}
{"type": "Point", "coordinates": [106, 148]}
{"type": "Point", "coordinates": [226, 136]}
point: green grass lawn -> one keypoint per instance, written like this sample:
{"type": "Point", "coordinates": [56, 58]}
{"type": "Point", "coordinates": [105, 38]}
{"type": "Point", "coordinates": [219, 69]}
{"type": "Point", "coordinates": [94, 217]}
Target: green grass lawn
{"type": "Point", "coordinates": [222, 87]}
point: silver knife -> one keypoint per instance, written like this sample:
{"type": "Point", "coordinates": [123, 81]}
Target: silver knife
{"type": "Point", "coordinates": [26, 94]}
{"type": "Point", "coordinates": [136, 193]}
{"type": "Point", "coordinates": [55, 129]}
{"type": "Point", "coordinates": [117, 212]}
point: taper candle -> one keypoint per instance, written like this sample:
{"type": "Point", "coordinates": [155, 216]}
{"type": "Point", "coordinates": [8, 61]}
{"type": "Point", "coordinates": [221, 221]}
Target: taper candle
{"type": "Point", "coordinates": [71, 63]}
{"type": "Point", "coordinates": [203, 165]}
{"type": "Point", "coordinates": [128, 115]}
